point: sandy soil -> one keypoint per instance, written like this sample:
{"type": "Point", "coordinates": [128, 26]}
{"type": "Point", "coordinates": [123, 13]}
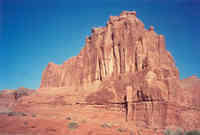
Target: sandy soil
{"type": "Point", "coordinates": [69, 120]}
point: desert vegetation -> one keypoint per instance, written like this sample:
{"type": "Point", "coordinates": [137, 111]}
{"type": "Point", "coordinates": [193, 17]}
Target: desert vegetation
{"type": "Point", "coordinates": [73, 125]}
{"type": "Point", "coordinates": [180, 131]}
{"type": "Point", "coordinates": [106, 125]}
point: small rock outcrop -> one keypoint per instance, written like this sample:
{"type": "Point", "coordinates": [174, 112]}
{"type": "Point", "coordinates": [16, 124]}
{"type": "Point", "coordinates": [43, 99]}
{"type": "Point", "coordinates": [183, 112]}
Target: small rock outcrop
{"type": "Point", "coordinates": [9, 98]}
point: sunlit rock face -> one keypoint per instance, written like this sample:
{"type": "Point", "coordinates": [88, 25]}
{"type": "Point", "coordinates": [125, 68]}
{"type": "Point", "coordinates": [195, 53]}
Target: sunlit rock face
{"type": "Point", "coordinates": [125, 54]}
{"type": "Point", "coordinates": [123, 46]}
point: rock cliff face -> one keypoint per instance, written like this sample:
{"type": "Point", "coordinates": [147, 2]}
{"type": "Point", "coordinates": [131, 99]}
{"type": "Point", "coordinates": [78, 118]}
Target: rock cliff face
{"type": "Point", "coordinates": [126, 55]}
{"type": "Point", "coordinates": [191, 90]}
{"type": "Point", "coordinates": [123, 46]}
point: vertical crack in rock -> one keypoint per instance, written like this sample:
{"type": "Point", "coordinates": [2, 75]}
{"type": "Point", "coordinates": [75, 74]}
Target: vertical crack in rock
{"type": "Point", "coordinates": [100, 71]}
{"type": "Point", "coordinates": [124, 61]}
{"type": "Point", "coordinates": [114, 54]}
{"type": "Point", "coordinates": [120, 58]}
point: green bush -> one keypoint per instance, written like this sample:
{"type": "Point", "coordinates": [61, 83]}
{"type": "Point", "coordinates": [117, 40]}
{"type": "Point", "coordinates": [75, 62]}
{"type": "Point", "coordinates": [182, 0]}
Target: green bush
{"type": "Point", "coordinates": [73, 125]}
{"type": "Point", "coordinates": [179, 131]}
{"type": "Point", "coordinates": [106, 125]}
{"type": "Point", "coordinates": [192, 132]}
{"type": "Point", "coordinates": [121, 130]}
{"type": "Point", "coordinates": [168, 132]}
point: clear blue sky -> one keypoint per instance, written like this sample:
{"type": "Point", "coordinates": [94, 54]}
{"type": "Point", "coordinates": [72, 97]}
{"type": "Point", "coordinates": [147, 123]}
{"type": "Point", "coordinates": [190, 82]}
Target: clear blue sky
{"type": "Point", "coordinates": [35, 32]}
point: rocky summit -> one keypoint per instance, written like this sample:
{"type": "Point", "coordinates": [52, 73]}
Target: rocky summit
{"type": "Point", "coordinates": [123, 46]}
{"type": "Point", "coordinates": [124, 75]}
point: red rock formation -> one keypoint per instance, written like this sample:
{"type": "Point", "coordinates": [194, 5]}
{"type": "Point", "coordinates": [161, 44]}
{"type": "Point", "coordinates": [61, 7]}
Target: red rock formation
{"type": "Point", "coordinates": [121, 57]}
{"type": "Point", "coordinates": [124, 54]}
{"type": "Point", "coordinates": [123, 46]}
{"type": "Point", "coordinates": [9, 98]}
{"type": "Point", "coordinates": [191, 91]}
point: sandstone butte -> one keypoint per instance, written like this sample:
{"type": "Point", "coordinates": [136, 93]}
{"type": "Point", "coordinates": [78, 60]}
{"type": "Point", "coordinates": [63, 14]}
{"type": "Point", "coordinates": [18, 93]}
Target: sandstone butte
{"type": "Point", "coordinates": [125, 54]}
{"type": "Point", "coordinates": [120, 56]}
